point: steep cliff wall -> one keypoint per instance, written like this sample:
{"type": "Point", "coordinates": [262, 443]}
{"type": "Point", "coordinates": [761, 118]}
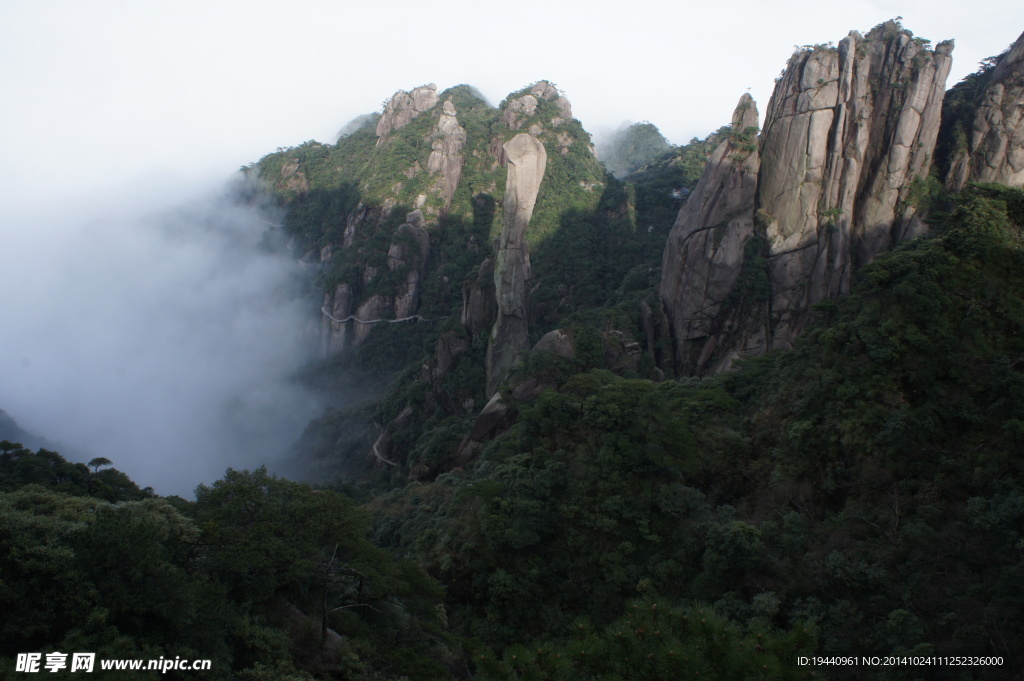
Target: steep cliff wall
{"type": "Point", "coordinates": [527, 160]}
{"type": "Point", "coordinates": [992, 149]}
{"type": "Point", "coordinates": [847, 131]}
{"type": "Point", "coordinates": [436, 154]}
{"type": "Point", "coordinates": [446, 157]}
{"type": "Point", "coordinates": [403, 107]}
{"type": "Point", "coordinates": [704, 253]}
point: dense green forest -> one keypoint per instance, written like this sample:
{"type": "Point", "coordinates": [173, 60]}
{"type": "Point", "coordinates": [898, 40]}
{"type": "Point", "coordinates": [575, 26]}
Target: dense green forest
{"type": "Point", "coordinates": [859, 495]}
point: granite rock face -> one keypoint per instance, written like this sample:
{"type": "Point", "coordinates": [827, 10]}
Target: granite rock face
{"type": "Point", "coordinates": [429, 184]}
{"type": "Point", "coordinates": [376, 307]}
{"type": "Point", "coordinates": [333, 333]}
{"type": "Point", "coordinates": [410, 252]}
{"type": "Point", "coordinates": [519, 109]}
{"type": "Point", "coordinates": [410, 249]}
{"type": "Point", "coordinates": [546, 90]}
{"type": "Point", "coordinates": [847, 132]}
{"type": "Point", "coordinates": [446, 157]}
{"type": "Point", "coordinates": [995, 144]}
{"type": "Point", "coordinates": [527, 160]}
{"type": "Point", "coordinates": [704, 253]}
{"type": "Point", "coordinates": [479, 303]}
{"type": "Point", "coordinates": [403, 107]}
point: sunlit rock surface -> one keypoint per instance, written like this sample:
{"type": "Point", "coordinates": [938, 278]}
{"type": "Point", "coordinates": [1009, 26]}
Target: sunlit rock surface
{"type": "Point", "coordinates": [847, 132]}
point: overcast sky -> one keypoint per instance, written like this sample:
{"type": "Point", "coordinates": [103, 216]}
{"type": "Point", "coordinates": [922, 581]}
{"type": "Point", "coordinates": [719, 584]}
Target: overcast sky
{"type": "Point", "coordinates": [131, 332]}
{"type": "Point", "coordinates": [99, 93]}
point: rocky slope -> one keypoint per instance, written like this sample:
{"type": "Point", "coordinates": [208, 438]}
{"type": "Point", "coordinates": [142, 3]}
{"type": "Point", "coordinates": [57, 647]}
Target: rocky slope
{"type": "Point", "coordinates": [433, 212]}
{"type": "Point", "coordinates": [379, 212]}
{"type": "Point", "coordinates": [847, 132]}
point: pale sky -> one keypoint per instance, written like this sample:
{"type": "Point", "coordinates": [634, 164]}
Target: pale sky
{"type": "Point", "coordinates": [100, 95]}
{"type": "Point", "coordinates": [165, 340]}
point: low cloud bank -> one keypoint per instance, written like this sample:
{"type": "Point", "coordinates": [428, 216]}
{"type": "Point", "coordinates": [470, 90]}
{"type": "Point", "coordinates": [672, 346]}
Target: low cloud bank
{"type": "Point", "coordinates": [162, 339]}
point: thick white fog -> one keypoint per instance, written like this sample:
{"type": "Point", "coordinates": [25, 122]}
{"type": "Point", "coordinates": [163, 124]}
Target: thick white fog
{"type": "Point", "coordinates": [161, 337]}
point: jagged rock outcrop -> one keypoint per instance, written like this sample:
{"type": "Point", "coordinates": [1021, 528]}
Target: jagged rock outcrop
{"type": "Point", "coordinates": [449, 349]}
{"type": "Point", "coordinates": [558, 342]}
{"type": "Point", "coordinates": [334, 332]}
{"type": "Point", "coordinates": [995, 142]}
{"type": "Point", "coordinates": [527, 160]}
{"type": "Point", "coordinates": [705, 249]}
{"type": "Point", "coordinates": [493, 420]}
{"type": "Point", "coordinates": [847, 131]}
{"type": "Point", "coordinates": [519, 109]}
{"type": "Point", "coordinates": [376, 307]}
{"type": "Point", "coordinates": [620, 351]}
{"type": "Point", "coordinates": [403, 107]}
{"type": "Point", "coordinates": [410, 249]}
{"type": "Point", "coordinates": [293, 178]}
{"type": "Point", "coordinates": [479, 303]}
{"type": "Point", "coordinates": [409, 252]}
{"type": "Point", "coordinates": [446, 157]}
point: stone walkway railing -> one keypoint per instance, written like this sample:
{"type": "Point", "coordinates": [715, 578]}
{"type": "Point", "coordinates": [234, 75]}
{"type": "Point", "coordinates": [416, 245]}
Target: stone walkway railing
{"type": "Point", "coordinates": [414, 317]}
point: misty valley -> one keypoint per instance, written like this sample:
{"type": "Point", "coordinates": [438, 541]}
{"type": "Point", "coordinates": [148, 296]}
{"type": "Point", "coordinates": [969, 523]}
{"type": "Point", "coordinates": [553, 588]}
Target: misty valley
{"type": "Point", "coordinates": [464, 395]}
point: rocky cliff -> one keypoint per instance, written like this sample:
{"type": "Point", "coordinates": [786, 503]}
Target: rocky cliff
{"type": "Point", "coordinates": [421, 225]}
{"type": "Point", "coordinates": [991, 149]}
{"type": "Point", "coordinates": [446, 157]}
{"type": "Point", "coordinates": [704, 253]}
{"type": "Point", "coordinates": [438, 159]}
{"type": "Point", "coordinates": [343, 323]}
{"type": "Point", "coordinates": [403, 107]}
{"type": "Point", "coordinates": [847, 132]}
{"type": "Point", "coordinates": [527, 160]}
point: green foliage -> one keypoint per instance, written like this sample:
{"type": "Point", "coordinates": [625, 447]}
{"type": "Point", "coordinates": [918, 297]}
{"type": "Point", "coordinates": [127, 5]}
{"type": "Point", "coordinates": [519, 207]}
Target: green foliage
{"type": "Point", "coordinates": [567, 513]}
{"type": "Point", "coordinates": [37, 572]}
{"type": "Point", "coordinates": [260, 575]}
{"type": "Point", "coordinates": [20, 466]}
{"type": "Point", "coordinates": [883, 424]}
{"type": "Point", "coordinates": [653, 184]}
{"type": "Point", "coordinates": [754, 281]}
{"type": "Point", "coordinates": [279, 545]}
{"type": "Point", "coordinates": [118, 579]}
{"type": "Point", "coordinates": [607, 249]}
{"type": "Point", "coordinates": [924, 193]}
{"type": "Point", "coordinates": [653, 640]}
{"type": "Point", "coordinates": [744, 140]}
{"type": "Point", "coordinates": [245, 517]}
